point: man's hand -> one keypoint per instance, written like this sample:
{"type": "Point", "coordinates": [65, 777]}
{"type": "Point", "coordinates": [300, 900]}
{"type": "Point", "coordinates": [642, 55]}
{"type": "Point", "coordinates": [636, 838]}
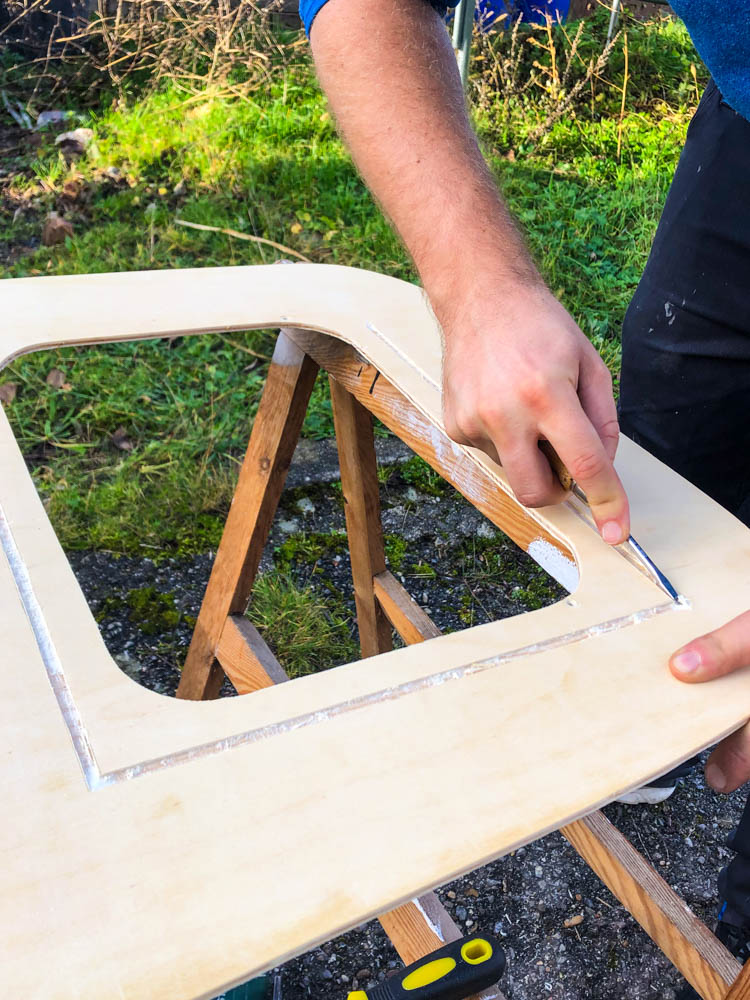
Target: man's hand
{"type": "Point", "coordinates": [518, 369]}
{"type": "Point", "coordinates": [713, 655]}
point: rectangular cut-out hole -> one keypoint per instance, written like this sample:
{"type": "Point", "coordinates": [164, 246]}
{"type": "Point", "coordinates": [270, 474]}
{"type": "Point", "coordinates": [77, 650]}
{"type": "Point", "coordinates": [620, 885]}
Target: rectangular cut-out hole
{"type": "Point", "coordinates": [135, 450]}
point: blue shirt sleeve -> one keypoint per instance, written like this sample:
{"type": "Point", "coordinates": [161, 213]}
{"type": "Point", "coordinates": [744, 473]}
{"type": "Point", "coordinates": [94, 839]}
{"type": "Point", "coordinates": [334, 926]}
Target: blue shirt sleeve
{"type": "Point", "coordinates": [308, 9]}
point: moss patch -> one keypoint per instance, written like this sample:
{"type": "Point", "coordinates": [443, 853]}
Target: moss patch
{"type": "Point", "coordinates": [149, 609]}
{"type": "Point", "coordinates": [500, 562]}
{"type": "Point", "coordinates": [417, 473]}
{"type": "Point", "coordinates": [395, 551]}
{"type": "Point", "coordinates": [307, 548]}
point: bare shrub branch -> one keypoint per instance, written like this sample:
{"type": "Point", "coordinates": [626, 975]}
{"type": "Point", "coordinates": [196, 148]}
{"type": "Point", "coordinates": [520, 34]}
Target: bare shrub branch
{"type": "Point", "coordinates": [537, 65]}
{"type": "Point", "coordinates": [231, 44]}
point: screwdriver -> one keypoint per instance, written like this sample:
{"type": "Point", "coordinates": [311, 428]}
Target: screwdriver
{"type": "Point", "coordinates": [454, 972]}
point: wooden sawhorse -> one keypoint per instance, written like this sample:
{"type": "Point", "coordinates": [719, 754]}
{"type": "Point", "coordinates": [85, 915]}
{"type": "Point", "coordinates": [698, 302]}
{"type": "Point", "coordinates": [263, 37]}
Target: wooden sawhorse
{"type": "Point", "coordinates": [225, 643]}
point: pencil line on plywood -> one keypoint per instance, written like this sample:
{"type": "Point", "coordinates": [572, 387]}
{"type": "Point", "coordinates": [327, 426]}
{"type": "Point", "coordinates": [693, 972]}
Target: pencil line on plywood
{"type": "Point", "coordinates": [404, 357]}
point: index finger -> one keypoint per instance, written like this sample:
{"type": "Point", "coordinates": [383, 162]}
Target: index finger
{"type": "Point", "coordinates": [578, 444]}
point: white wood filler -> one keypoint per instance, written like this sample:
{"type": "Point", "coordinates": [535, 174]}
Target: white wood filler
{"type": "Point", "coordinates": [49, 656]}
{"type": "Point", "coordinates": [436, 929]}
{"type": "Point", "coordinates": [324, 798]}
{"type": "Point", "coordinates": [554, 562]}
{"type": "Point", "coordinates": [285, 352]}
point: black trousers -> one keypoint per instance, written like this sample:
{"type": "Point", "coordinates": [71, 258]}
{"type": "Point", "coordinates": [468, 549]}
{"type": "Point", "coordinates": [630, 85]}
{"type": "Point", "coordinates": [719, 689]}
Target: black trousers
{"type": "Point", "coordinates": [685, 385]}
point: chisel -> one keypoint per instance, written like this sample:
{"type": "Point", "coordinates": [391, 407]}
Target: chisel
{"type": "Point", "coordinates": [630, 548]}
{"type": "Point", "coordinates": [455, 972]}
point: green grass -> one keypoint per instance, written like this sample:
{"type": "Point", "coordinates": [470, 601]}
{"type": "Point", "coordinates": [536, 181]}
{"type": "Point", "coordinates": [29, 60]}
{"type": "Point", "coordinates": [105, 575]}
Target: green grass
{"type": "Point", "coordinates": [185, 409]}
{"type": "Point", "coordinates": [306, 633]}
{"type": "Point", "coordinates": [273, 167]}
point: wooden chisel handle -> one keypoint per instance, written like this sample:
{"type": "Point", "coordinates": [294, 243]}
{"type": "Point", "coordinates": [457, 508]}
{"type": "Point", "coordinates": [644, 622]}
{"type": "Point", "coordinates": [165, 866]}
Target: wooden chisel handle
{"type": "Point", "coordinates": [558, 466]}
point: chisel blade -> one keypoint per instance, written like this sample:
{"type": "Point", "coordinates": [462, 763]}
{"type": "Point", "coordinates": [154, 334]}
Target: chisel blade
{"type": "Point", "coordinates": [630, 548]}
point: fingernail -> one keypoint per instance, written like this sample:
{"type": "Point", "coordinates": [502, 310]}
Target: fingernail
{"type": "Point", "coordinates": [687, 662]}
{"type": "Point", "coordinates": [715, 777]}
{"type": "Point", "coordinates": [612, 533]}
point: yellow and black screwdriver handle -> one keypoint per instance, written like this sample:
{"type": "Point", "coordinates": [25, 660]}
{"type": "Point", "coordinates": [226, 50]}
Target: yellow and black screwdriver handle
{"type": "Point", "coordinates": [457, 971]}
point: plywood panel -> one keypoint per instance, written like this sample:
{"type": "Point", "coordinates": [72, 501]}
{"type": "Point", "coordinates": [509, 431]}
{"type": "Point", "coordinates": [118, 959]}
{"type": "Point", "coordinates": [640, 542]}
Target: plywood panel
{"type": "Point", "coordinates": [329, 788]}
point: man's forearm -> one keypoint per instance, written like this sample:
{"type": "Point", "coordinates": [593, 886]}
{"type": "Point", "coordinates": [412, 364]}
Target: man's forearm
{"type": "Point", "coordinates": [516, 367]}
{"type": "Point", "coordinates": [390, 74]}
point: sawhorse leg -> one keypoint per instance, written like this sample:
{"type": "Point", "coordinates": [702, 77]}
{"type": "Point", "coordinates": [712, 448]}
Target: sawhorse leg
{"type": "Point", "coordinates": [359, 483]}
{"type": "Point", "coordinates": [275, 434]}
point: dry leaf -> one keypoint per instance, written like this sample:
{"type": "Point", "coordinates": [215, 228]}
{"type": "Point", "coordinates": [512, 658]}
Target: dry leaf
{"type": "Point", "coordinates": [56, 379]}
{"type": "Point", "coordinates": [73, 188]}
{"type": "Point", "coordinates": [120, 440]}
{"type": "Point", "coordinates": [55, 230]}
{"type": "Point", "coordinates": [8, 392]}
{"type": "Point", "coordinates": [296, 228]}
{"type": "Point", "coordinates": [573, 921]}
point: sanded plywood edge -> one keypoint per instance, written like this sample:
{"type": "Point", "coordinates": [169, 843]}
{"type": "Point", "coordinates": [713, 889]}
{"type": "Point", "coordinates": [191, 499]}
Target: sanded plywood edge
{"type": "Point", "coordinates": [134, 725]}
